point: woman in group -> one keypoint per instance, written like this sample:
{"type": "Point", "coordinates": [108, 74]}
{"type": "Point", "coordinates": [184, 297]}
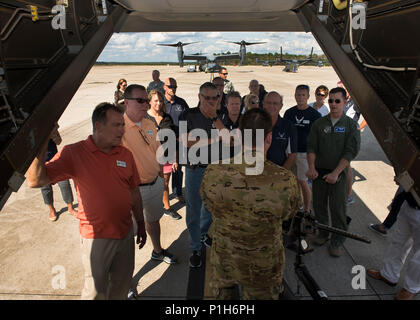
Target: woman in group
{"type": "Point", "coordinates": [119, 94]}
{"type": "Point", "coordinates": [157, 113]}
{"type": "Point", "coordinates": [251, 101]}
{"type": "Point", "coordinates": [320, 94]}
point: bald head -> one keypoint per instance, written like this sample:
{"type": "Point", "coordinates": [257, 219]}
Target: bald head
{"type": "Point", "coordinates": [273, 102]}
{"type": "Point", "coordinates": [170, 88]}
{"type": "Point", "coordinates": [253, 87]}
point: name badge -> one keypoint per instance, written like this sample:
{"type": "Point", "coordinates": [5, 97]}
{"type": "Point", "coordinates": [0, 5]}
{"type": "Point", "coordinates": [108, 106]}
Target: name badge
{"type": "Point", "coordinates": [306, 122]}
{"type": "Point", "coordinates": [149, 132]}
{"type": "Point", "coordinates": [339, 129]}
{"type": "Point", "coordinates": [121, 164]}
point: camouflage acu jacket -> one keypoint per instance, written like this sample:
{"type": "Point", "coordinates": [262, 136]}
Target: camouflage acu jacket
{"type": "Point", "coordinates": [248, 211]}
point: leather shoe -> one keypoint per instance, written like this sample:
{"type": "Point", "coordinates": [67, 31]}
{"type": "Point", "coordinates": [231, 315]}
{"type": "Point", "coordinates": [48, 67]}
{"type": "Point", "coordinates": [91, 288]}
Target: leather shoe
{"type": "Point", "coordinates": [376, 274]}
{"type": "Point", "coordinates": [405, 295]}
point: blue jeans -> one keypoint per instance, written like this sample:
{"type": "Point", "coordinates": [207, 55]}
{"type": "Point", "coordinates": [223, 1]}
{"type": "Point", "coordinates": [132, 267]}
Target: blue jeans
{"type": "Point", "coordinates": [177, 177]}
{"type": "Point", "coordinates": [198, 219]}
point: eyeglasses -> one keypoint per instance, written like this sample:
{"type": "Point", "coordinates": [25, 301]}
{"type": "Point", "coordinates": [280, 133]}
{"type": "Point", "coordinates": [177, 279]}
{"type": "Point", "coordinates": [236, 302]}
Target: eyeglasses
{"type": "Point", "coordinates": [139, 100]}
{"type": "Point", "coordinates": [321, 94]}
{"type": "Point", "coordinates": [208, 98]}
{"type": "Point", "coordinates": [334, 100]}
{"type": "Point", "coordinates": [254, 102]}
{"type": "Point", "coordinates": [171, 87]}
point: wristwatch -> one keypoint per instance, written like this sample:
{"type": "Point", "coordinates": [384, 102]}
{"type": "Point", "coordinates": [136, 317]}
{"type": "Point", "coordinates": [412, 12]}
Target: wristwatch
{"type": "Point", "coordinates": [214, 119]}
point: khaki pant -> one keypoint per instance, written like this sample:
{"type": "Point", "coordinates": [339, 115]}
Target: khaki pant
{"type": "Point", "coordinates": [109, 266]}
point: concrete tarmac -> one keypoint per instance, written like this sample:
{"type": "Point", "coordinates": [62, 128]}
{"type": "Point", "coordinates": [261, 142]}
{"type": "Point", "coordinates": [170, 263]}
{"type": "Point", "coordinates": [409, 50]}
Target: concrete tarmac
{"type": "Point", "coordinates": [41, 259]}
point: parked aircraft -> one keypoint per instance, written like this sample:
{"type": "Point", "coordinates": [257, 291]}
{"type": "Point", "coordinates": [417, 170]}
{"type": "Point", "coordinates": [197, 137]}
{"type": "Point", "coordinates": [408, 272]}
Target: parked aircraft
{"type": "Point", "coordinates": [292, 65]}
{"type": "Point", "coordinates": [209, 63]}
{"type": "Point", "coordinates": [242, 50]}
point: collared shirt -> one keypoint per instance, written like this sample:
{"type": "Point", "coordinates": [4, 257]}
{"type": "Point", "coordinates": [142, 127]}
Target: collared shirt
{"type": "Point", "coordinates": [302, 120]}
{"type": "Point", "coordinates": [142, 142]}
{"type": "Point", "coordinates": [283, 142]}
{"type": "Point", "coordinates": [324, 110]}
{"type": "Point", "coordinates": [228, 86]}
{"type": "Point", "coordinates": [175, 108]}
{"type": "Point", "coordinates": [103, 182]}
{"type": "Point", "coordinates": [156, 86]}
{"type": "Point", "coordinates": [330, 143]}
{"type": "Point", "coordinates": [196, 120]}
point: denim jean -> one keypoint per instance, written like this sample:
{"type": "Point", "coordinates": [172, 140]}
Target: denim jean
{"type": "Point", "coordinates": [177, 177]}
{"type": "Point", "coordinates": [198, 219]}
{"type": "Point", "coordinates": [66, 193]}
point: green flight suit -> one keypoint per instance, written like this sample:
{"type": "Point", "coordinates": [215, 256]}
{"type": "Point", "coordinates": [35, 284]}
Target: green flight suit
{"type": "Point", "coordinates": [331, 143]}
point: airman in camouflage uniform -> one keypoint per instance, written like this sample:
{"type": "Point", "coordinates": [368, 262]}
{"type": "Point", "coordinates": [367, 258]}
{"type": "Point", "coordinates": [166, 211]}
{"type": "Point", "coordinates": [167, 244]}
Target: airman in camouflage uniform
{"type": "Point", "coordinates": [228, 84]}
{"type": "Point", "coordinates": [248, 211]}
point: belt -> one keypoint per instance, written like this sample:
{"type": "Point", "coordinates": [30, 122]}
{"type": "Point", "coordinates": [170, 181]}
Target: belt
{"type": "Point", "coordinates": [148, 184]}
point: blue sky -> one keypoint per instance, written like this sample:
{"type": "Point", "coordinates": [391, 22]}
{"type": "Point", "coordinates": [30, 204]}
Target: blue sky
{"type": "Point", "coordinates": [141, 47]}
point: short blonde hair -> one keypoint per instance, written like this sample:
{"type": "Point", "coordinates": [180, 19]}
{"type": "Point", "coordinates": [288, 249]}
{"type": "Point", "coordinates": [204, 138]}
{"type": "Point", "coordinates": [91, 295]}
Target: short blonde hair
{"type": "Point", "coordinates": [247, 101]}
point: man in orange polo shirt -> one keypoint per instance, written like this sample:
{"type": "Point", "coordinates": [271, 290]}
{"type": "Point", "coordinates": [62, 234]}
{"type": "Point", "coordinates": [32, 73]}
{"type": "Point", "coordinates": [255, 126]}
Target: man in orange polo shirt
{"type": "Point", "coordinates": [140, 138]}
{"type": "Point", "coordinates": [106, 182]}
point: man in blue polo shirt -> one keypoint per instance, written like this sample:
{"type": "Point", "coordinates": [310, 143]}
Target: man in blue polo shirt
{"type": "Point", "coordinates": [302, 116]}
{"type": "Point", "coordinates": [284, 138]}
{"type": "Point", "coordinates": [174, 107]}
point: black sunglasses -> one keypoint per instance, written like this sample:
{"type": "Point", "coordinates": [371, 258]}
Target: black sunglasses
{"type": "Point", "coordinates": [254, 102]}
{"type": "Point", "coordinates": [321, 94]}
{"type": "Point", "coordinates": [208, 98]}
{"type": "Point", "coordinates": [172, 87]}
{"type": "Point", "coordinates": [225, 74]}
{"type": "Point", "coordinates": [334, 100]}
{"type": "Point", "coordinates": [139, 100]}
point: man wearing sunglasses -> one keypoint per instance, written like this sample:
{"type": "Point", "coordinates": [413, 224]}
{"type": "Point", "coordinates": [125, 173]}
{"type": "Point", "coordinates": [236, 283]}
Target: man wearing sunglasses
{"type": "Point", "coordinates": [223, 73]}
{"type": "Point", "coordinates": [205, 117]}
{"type": "Point", "coordinates": [140, 138]}
{"type": "Point", "coordinates": [174, 107]}
{"type": "Point", "coordinates": [332, 143]}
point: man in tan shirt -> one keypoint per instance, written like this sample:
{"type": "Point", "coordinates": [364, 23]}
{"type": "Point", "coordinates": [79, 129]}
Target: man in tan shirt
{"type": "Point", "coordinates": [140, 138]}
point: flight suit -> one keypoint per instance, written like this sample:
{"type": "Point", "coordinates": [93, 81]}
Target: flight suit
{"type": "Point", "coordinates": [331, 143]}
{"type": "Point", "coordinates": [247, 212]}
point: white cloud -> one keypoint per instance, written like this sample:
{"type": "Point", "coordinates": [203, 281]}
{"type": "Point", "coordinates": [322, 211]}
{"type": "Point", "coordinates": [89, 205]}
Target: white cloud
{"type": "Point", "coordinates": [213, 35]}
{"type": "Point", "coordinates": [142, 46]}
{"type": "Point", "coordinates": [158, 36]}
